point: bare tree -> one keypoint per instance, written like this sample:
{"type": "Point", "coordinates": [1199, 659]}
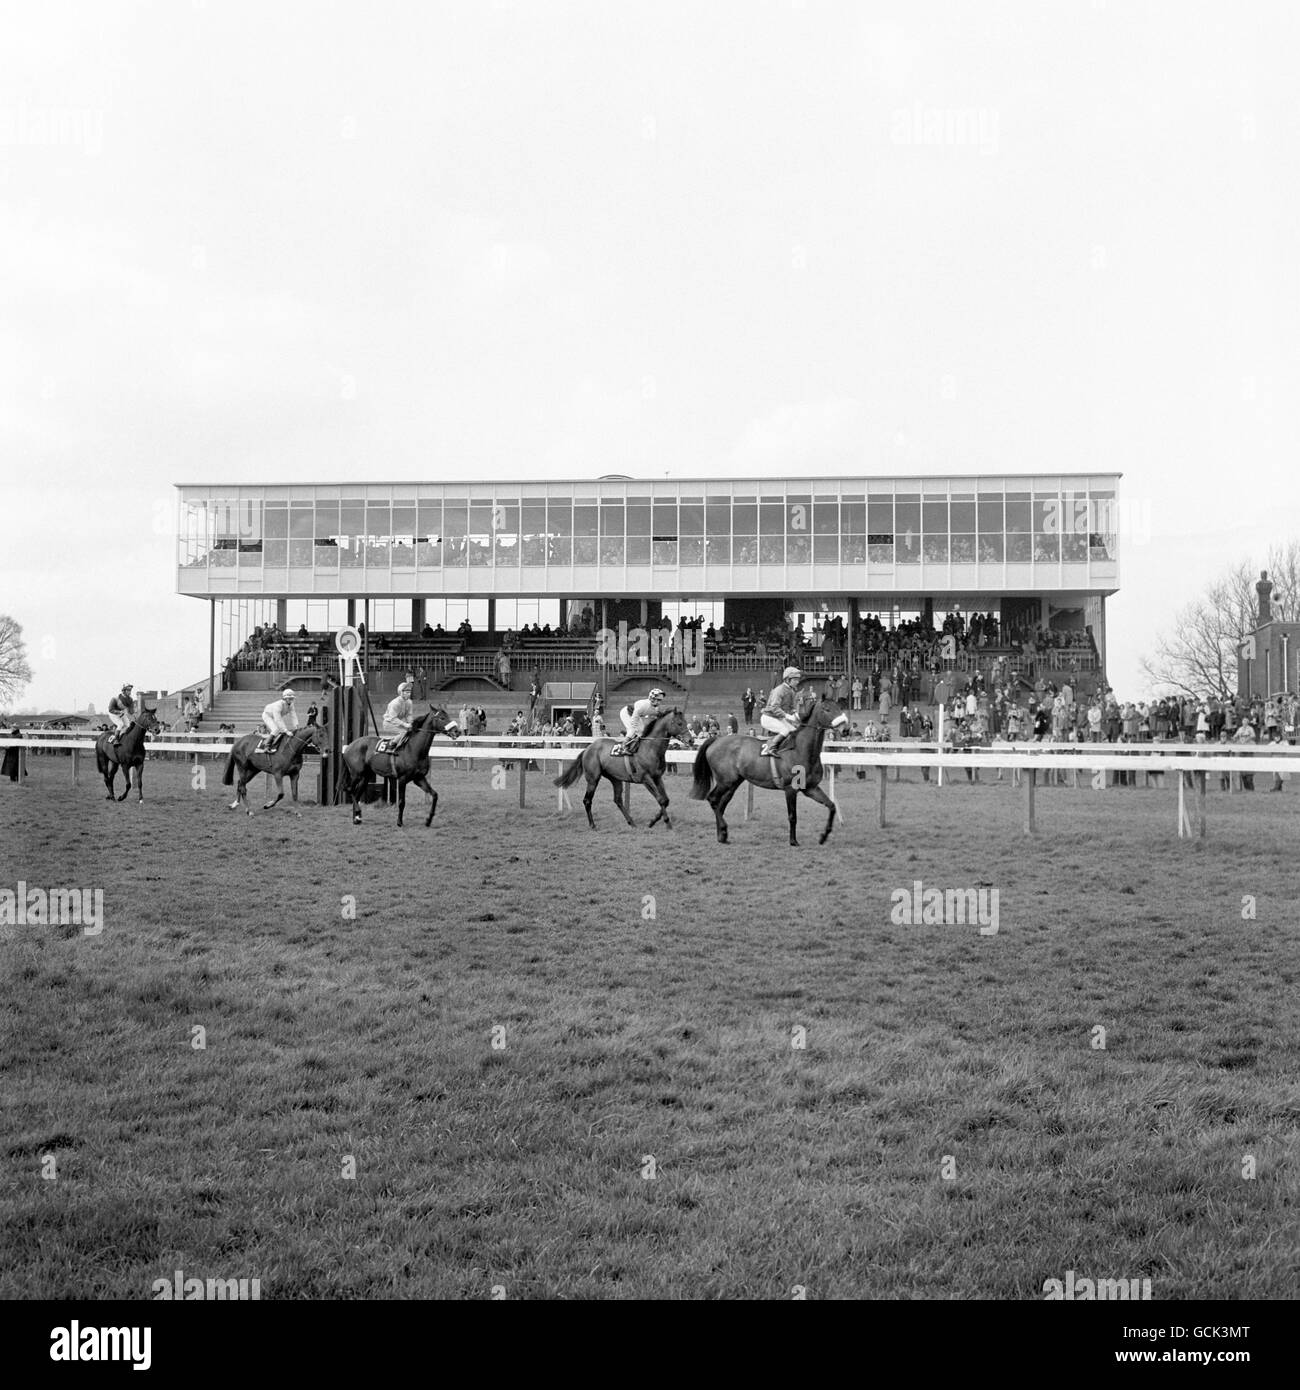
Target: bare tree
{"type": "Point", "coordinates": [14, 670]}
{"type": "Point", "coordinates": [1284, 571]}
{"type": "Point", "coordinates": [1199, 657]}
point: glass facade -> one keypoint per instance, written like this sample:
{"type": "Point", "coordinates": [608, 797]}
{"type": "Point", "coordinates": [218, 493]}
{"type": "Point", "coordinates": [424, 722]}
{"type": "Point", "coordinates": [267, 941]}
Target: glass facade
{"type": "Point", "coordinates": [714, 535]}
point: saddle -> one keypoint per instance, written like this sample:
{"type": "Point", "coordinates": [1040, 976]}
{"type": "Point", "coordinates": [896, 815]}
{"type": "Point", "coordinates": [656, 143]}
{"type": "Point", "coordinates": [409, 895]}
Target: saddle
{"type": "Point", "coordinates": [387, 744]}
{"type": "Point", "coordinates": [268, 743]}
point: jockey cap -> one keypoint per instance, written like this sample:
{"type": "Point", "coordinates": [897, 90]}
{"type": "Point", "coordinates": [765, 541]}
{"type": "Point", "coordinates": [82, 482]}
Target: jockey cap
{"type": "Point", "coordinates": [657, 694]}
{"type": "Point", "coordinates": [126, 685]}
{"type": "Point", "coordinates": [287, 693]}
{"type": "Point", "coordinates": [792, 673]}
{"type": "Point", "coordinates": [405, 688]}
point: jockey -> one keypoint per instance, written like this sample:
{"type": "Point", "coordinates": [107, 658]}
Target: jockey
{"type": "Point", "coordinates": [636, 717]}
{"type": "Point", "coordinates": [780, 715]}
{"type": "Point", "coordinates": [121, 710]}
{"type": "Point", "coordinates": [397, 717]}
{"type": "Point", "coordinates": [279, 718]}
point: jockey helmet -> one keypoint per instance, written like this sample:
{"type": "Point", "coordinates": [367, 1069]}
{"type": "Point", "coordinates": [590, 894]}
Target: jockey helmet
{"type": "Point", "coordinates": [656, 694]}
{"type": "Point", "coordinates": [287, 693]}
{"type": "Point", "coordinates": [126, 685]}
{"type": "Point", "coordinates": [792, 673]}
{"type": "Point", "coordinates": [405, 688]}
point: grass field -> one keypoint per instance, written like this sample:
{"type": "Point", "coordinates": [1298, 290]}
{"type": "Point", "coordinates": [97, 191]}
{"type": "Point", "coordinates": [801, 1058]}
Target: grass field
{"type": "Point", "coordinates": [948, 1130]}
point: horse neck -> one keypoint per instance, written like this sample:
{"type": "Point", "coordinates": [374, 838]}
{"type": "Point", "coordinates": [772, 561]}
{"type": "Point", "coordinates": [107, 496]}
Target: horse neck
{"type": "Point", "coordinates": [809, 739]}
{"type": "Point", "coordinates": [657, 732]}
{"type": "Point", "coordinates": [423, 737]}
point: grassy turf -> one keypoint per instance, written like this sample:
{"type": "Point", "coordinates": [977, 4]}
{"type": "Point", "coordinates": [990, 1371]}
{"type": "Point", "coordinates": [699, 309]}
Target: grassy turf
{"type": "Point", "coordinates": [635, 1028]}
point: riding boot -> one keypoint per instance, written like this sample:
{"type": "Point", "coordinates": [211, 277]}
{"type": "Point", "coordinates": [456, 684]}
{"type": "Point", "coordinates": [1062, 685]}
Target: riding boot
{"type": "Point", "coordinates": [630, 745]}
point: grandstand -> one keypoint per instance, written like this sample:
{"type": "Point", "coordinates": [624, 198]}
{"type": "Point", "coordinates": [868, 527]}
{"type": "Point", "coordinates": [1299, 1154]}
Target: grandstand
{"type": "Point", "coordinates": [482, 586]}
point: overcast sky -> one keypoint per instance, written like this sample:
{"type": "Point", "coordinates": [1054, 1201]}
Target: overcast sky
{"type": "Point", "coordinates": [292, 242]}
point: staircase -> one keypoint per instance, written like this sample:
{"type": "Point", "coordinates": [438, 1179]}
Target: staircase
{"type": "Point", "coordinates": [242, 708]}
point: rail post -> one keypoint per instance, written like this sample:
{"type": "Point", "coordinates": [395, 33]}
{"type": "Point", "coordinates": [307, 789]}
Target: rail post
{"type": "Point", "coordinates": [1030, 780]}
{"type": "Point", "coordinates": [884, 782]}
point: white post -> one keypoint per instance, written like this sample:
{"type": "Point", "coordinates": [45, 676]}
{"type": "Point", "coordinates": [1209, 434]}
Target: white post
{"type": "Point", "coordinates": [940, 731]}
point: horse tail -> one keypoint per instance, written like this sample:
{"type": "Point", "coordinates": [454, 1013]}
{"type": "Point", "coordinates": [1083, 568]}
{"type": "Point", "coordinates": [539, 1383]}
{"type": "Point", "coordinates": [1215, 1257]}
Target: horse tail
{"type": "Point", "coordinates": [573, 772]}
{"type": "Point", "coordinates": [703, 772]}
{"type": "Point", "coordinates": [228, 776]}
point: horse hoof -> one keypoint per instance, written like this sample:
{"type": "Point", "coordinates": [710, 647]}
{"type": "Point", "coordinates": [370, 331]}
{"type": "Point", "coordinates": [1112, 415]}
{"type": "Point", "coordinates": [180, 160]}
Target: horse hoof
{"type": "Point", "coordinates": [356, 820]}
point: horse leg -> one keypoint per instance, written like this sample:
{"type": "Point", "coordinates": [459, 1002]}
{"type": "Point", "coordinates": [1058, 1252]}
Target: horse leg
{"type": "Point", "coordinates": [109, 773]}
{"type": "Point", "coordinates": [239, 787]}
{"type": "Point", "coordinates": [718, 799]}
{"type": "Point", "coordinates": [620, 791]}
{"type": "Point", "coordinates": [139, 783]}
{"type": "Point", "coordinates": [590, 797]}
{"type": "Point", "coordinates": [724, 800]}
{"type": "Point", "coordinates": [126, 778]}
{"type": "Point", "coordinates": [792, 812]}
{"type": "Point", "coordinates": [816, 794]}
{"type": "Point", "coordinates": [359, 783]}
{"type": "Point", "coordinates": [656, 785]}
{"type": "Point", "coordinates": [293, 783]}
{"type": "Point", "coordinates": [241, 792]}
{"type": "Point", "coordinates": [278, 779]}
{"type": "Point", "coordinates": [401, 800]}
{"type": "Point", "coordinates": [423, 783]}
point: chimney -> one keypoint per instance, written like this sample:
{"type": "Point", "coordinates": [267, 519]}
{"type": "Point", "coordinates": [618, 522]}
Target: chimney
{"type": "Point", "coordinates": [1264, 588]}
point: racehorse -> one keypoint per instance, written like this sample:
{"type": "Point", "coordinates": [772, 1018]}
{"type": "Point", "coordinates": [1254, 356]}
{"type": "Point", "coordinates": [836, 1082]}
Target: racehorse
{"type": "Point", "coordinates": [409, 764]}
{"type": "Point", "coordinates": [645, 765]}
{"type": "Point", "coordinates": [128, 753]}
{"type": "Point", "coordinates": [286, 761]}
{"type": "Point", "coordinates": [724, 763]}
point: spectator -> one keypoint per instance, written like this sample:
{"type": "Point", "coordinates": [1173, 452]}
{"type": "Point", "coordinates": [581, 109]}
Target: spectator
{"type": "Point", "coordinates": [1246, 735]}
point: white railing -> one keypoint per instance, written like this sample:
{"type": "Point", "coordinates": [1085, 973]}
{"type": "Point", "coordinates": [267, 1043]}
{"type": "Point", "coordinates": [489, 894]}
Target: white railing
{"type": "Point", "coordinates": [1193, 763]}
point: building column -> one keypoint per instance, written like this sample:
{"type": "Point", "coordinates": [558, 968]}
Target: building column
{"type": "Point", "coordinates": [212, 651]}
{"type": "Point", "coordinates": [282, 613]}
{"type": "Point", "coordinates": [851, 644]}
{"type": "Point", "coordinates": [417, 614]}
{"type": "Point", "coordinates": [492, 616]}
{"type": "Point", "coordinates": [352, 612]}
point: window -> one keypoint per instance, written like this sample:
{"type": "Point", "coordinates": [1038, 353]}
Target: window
{"type": "Point", "coordinates": [325, 540]}
{"type": "Point", "coordinates": [379, 528]}
{"type": "Point", "coordinates": [428, 549]}
{"type": "Point", "coordinates": [404, 535]}
{"type": "Point", "coordinates": [1020, 546]}
{"type": "Point", "coordinates": [352, 534]}
{"type": "Point", "coordinates": [907, 529]}
{"type": "Point", "coordinates": [1047, 527]}
{"type": "Point", "coordinates": [275, 520]}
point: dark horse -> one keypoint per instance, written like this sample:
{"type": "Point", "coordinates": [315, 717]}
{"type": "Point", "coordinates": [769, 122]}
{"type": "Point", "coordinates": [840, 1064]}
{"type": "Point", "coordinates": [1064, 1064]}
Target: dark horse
{"type": "Point", "coordinates": [409, 764]}
{"type": "Point", "coordinates": [286, 761]}
{"type": "Point", "coordinates": [127, 753]}
{"type": "Point", "coordinates": [645, 765]}
{"type": "Point", "coordinates": [724, 763]}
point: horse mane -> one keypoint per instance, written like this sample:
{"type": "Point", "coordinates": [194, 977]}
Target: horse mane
{"type": "Point", "coordinates": [663, 714]}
